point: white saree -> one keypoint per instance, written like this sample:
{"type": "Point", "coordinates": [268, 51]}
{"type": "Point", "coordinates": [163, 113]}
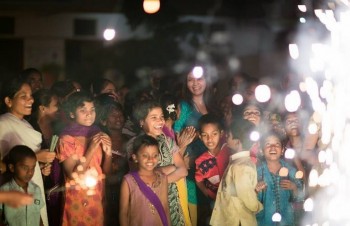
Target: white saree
{"type": "Point", "coordinates": [14, 131]}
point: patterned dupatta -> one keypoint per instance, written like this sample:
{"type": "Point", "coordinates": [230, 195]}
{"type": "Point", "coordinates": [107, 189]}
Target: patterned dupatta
{"type": "Point", "coordinates": [151, 196]}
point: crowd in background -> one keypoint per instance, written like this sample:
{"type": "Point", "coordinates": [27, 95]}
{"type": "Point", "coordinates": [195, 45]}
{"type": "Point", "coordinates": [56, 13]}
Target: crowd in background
{"type": "Point", "coordinates": [185, 141]}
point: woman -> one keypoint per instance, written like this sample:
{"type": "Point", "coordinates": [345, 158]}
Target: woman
{"type": "Point", "coordinates": [17, 103]}
{"type": "Point", "coordinates": [194, 105]}
{"type": "Point", "coordinates": [44, 113]}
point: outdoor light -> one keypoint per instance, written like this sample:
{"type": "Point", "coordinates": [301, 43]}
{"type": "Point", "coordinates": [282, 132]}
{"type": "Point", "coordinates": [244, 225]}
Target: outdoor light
{"type": "Point", "coordinates": [109, 34]}
{"type": "Point", "coordinates": [151, 6]}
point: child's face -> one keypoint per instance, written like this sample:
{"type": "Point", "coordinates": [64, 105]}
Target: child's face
{"type": "Point", "coordinates": [23, 171]}
{"type": "Point", "coordinates": [292, 125]}
{"type": "Point", "coordinates": [154, 122]}
{"type": "Point", "coordinates": [252, 114]}
{"type": "Point", "coordinates": [232, 143]}
{"type": "Point", "coordinates": [210, 135]}
{"type": "Point", "coordinates": [272, 148]}
{"type": "Point", "coordinates": [115, 120]}
{"type": "Point", "coordinates": [52, 109]}
{"type": "Point", "coordinates": [147, 158]}
{"type": "Point", "coordinates": [85, 115]}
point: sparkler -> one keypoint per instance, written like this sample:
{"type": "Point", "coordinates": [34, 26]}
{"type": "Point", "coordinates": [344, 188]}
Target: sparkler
{"type": "Point", "coordinates": [328, 88]}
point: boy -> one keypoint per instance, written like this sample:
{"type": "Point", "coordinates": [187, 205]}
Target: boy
{"type": "Point", "coordinates": [211, 165]}
{"type": "Point", "coordinates": [21, 163]}
{"type": "Point", "coordinates": [237, 203]}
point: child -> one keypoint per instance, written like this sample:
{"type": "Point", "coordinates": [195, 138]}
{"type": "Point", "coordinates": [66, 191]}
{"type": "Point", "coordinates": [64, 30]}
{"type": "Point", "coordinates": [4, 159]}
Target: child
{"type": "Point", "coordinates": [211, 165]}
{"type": "Point", "coordinates": [144, 193]}
{"type": "Point", "coordinates": [236, 202]}
{"type": "Point", "coordinates": [278, 186]}
{"type": "Point", "coordinates": [21, 163]}
{"type": "Point", "coordinates": [85, 153]}
{"type": "Point", "coordinates": [150, 116]}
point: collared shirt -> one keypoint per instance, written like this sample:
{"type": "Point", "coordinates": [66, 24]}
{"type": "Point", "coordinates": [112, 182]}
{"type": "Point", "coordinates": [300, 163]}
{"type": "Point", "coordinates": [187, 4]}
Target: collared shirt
{"type": "Point", "coordinates": [28, 215]}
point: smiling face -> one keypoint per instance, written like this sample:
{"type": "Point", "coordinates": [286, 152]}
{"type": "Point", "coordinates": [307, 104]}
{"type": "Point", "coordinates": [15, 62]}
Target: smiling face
{"type": "Point", "coordinates": [196, 85]}
{"type": "Point", "coordinates": [85, 115]}
{"type": "Point", "coordinates": [272, 148]}
{"type": "Point", "coordinates": [21, 104]}
{"type": "Point", "coordinates": [23, 171]}
{"type": "Point", "coordinates": [210, 135]}
{"type": "Point", "coordinates": [154, 122]}
{"type": "Point", "coordinates": [147, 157]}
{"type": "Point", "coordinates": [252, 113]}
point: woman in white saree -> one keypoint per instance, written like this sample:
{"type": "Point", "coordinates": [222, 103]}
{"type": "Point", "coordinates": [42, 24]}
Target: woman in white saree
{"type": "Point", "coordinates": [17, 103]}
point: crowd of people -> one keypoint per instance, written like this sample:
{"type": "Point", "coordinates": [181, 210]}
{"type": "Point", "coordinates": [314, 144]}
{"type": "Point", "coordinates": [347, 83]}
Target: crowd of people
{"type": "Point", "coordinates": [168, 154]}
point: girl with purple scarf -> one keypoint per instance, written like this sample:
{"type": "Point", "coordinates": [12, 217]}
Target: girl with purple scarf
{"type": "Point", "coordinates": [85, 153]}
{"type": "Point", "coordinates": [144, 193]}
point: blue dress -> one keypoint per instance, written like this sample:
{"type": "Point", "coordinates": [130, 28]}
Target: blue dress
{"type": "Point", "coordinates": [189, 117]}
{"type": "Point", "coordinates": [275, 199]}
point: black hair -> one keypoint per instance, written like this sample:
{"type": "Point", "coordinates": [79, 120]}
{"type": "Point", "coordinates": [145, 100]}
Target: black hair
{"type": "Point", "coordinates": [167, 100]}
{"type": "Point", "coordinates": [241, 129]}
{"type": "Point", "coordinates": [28, 72]}
{"type": "Point", "coordinates": [76, 100]}
{"type": "Point", "coordinates": [19, 153]}
{"type": "Point", "coordinates": [63, 88]}
{"type": "Point", "coordinates": [42, 97]}
{"type": "Point", "coordinates": [9, 89]}
{"type": "Point", "coordinates": [143, 141]}
{"type": "Point", "coordinates": [104, 106]}
{"type": "Point", "coordinates": [142, 108]}
{"type": "Point", "coordinates": [209, 119]}
{"type": "Point", "coordinates": [99, 84]}
{"type": "Point", "coordinates": [270, 132]}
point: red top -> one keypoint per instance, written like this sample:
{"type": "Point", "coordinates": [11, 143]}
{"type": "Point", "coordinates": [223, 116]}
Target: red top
{"type": "Point", "coordinates": [210, 169]}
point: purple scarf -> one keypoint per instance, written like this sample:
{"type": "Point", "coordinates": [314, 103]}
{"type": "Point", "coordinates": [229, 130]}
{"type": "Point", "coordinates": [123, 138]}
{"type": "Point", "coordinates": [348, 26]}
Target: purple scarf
{"type": "Point", "coordinates": [151, 196]}
{"type": "Point", "coordinates": [79, 130]}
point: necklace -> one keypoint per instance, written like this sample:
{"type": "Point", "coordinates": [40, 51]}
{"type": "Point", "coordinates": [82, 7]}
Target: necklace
{"type": "Point", "coordinates": [197, 107]}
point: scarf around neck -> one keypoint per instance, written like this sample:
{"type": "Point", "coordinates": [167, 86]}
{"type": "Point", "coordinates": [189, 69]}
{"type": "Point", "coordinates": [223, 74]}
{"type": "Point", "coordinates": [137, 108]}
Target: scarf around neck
{"type": "Point", "coordinates": [80, 130]}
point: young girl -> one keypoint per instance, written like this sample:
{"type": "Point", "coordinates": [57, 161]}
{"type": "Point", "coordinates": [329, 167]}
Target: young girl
{"type": "Point", "coordinates": [151, 118]}
{"type": "Point", "coordinates": [85, 153]}
{"type": "Point", "coordinates": [144, 193]}
{"type": "Point", "coordinates": [278, 186]}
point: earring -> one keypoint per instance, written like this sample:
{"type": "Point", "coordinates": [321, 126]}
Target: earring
{"type": "Point", "coordinates": [135, 161]}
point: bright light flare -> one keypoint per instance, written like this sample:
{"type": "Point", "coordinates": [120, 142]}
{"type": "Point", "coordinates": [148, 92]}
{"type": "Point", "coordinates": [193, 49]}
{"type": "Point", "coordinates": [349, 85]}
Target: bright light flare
{"type": "Point", "coordinates": [292, 101]}
{"type": "Point", "coordinates": [262, 93]}
{"type": "Point", "coordinates": [308, 205]}
{"type": "Point", "coordinates": [254, 136]}
{"type": "Point", "coordinates": [276, 217]}
{"type": "Point", "coordinates": [237, 99]}
{"type": "Point", "coordinates": [293, 51]}
{"type": "Point", "coordinates": [151, 6]}
{"type": "Point", "coordinates": [197, 71]}
{"type": "Point", "coordinates": [302, 20]}
{"type": "Point", "coordinates": [109, 34]}
{"type": "Point", "coordinates": [283, 172]}
{"type": "Point", "coordinates": [90, 181]}
{"type": "Point", "coordinates": [290, 153]}
{"type": "Point", "coordinates": [302, 8]}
